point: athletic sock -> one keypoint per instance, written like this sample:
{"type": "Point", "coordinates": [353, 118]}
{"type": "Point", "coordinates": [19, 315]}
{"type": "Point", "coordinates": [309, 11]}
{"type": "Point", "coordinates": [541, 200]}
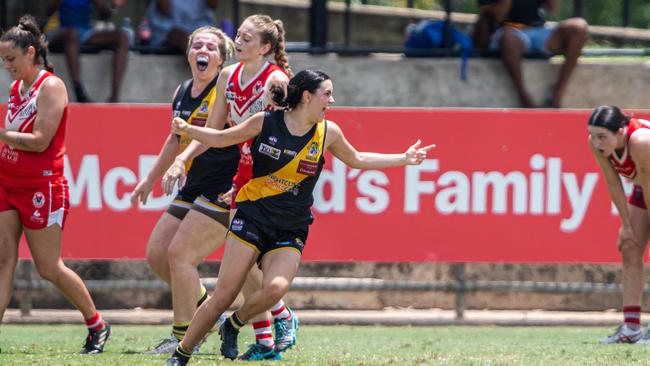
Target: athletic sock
{"type": "Point", "coordinates": [95, 323]}
{"type": "Point", "coordinates": [182, 354]}
{"type": "Point", "coordinates": [280, 311]}
{"type": "Point", "coordinates": [203, 295]}
{"type": "Point", "coordinates": [234, 320]}
{"type": "Point", "coordinates": [632, 316]}
{"type": "Point", "coordinates": [263, 333]}
{"type": "Point", "coordinates": [179, 330]}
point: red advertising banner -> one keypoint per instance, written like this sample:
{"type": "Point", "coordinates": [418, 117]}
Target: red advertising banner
{"type": "Point", "coordinates": [501, 186]}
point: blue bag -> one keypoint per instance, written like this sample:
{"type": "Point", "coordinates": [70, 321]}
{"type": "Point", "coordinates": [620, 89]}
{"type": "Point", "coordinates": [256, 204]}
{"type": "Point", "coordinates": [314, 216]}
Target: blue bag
{"type": "Point", "coordinates": [428, 34]}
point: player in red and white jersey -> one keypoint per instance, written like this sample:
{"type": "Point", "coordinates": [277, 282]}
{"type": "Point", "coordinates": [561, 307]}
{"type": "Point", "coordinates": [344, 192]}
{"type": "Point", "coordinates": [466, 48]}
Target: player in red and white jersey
{"type": "Point", "coordinates": [621, 146]}
{"type": "Point", "coordinates": [33, 191]}
{"type": "Point", "coordinates": [243, 90]}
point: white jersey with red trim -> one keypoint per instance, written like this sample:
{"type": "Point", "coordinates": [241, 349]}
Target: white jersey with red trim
{"type": "Point", "coordinates": [623, 162]}
{"type": "Point", "coordinates": [20, 165]}
{"type": "Point", "coordinates": [244, 100]}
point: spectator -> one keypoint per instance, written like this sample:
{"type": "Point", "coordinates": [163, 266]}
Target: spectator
{"type": "Point", "coordinates": [75, 30]}
{"type": "Point", "coordinates": [172, 21]}
{"type": "Point", "coordinates": [522, 30]}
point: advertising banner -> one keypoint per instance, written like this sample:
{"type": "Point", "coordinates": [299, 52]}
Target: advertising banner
{"type": "Point", "coordinates": [501, 186]}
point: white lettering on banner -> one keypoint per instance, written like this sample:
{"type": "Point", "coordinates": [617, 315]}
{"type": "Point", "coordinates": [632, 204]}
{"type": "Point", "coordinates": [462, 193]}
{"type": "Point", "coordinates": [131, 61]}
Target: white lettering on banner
{"type": "Point", "coordinates": [100, 191]}
{"type": "Point", "coordinates": [455, 192]}
{"type": "Point", "coordinates": [375, 199]}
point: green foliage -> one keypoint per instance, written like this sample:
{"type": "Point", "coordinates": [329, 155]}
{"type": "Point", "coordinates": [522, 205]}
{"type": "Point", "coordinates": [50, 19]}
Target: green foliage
{"type": "Point", "coordinates": [49, 345]}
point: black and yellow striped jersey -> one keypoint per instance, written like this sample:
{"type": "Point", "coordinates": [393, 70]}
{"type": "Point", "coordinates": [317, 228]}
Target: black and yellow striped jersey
{"type": "Point", "coordinates": [285, 171]}
{"type": "Point", "coordinates": [214, 161]}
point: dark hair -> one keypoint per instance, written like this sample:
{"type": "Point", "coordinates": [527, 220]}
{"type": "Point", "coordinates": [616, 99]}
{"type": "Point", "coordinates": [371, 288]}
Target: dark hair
{"type": "Point", "coordinates": [26, 34]}
{"type": "Point", "coordinates": [305, 80]}
{"type": "Point", "coordinates": [609, 117]}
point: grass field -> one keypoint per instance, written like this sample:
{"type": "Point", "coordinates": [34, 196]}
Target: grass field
{"type": "Point", "coordinates": [340, 345]}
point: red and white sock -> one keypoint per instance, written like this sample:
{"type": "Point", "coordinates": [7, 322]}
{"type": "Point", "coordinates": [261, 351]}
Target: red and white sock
{"type": "Point", "coordinates": [280, 311]}
{"type": "Point", "coordinates": [263, 333]}
{"type": "Point", "coordinates": [632, 316]}
{"type": "Point", "coordinates": [95, 323]}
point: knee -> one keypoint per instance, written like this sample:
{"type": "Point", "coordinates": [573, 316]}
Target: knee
{"type": "Point", "coordinates": [631, 253]}
{"type": "Point", "coordinates": [275, 290]}
{"type": "Point", "coordinates": [577, 27]}
{"type": "Point", "coordinates": [49, 271]}
{"type": "Point", "coordinates": [178, 255]}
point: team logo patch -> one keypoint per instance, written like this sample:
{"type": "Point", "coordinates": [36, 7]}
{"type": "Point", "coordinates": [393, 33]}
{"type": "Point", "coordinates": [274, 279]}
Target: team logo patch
{"type": "Point", "coordinates": [269, 151]}
{"type": "Point", "coordinates": [312, 153]}
{"type": "Point", "coordinates": [273, 140]}
{"type": "Point", "coordinates": [307, 167]}
{"type": "Point", "coordinates": [299, 243]}
{"type": "Point", "coordinates": [237, 224]}
{"type": "Point", "coordinates": [205, 106]}
{"type": "Point", "coordinates": [258, 88]}
{"type": "Point", "coordinates": [38, 200]}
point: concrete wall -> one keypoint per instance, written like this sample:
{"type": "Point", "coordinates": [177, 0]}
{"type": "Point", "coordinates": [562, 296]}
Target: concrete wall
{"type": "Point", "coordinates": [388, 80]}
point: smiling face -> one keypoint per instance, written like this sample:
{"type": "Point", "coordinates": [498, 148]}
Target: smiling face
{"type": "Point", "coordinates": [15, 61]}
{"type": "Point", "coordinates": [320, 101]}
{"type": "Point", "coordinates": [204, 56]}
{"type": "Point", "coordinates": [604, 140]}
{"type": "Point", "coordinates": [248, 43]}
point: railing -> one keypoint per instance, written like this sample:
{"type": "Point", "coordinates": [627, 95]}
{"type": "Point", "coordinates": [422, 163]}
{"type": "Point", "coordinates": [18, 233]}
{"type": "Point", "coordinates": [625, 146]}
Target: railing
{"type": "Point", "coordinates": [460, 286]}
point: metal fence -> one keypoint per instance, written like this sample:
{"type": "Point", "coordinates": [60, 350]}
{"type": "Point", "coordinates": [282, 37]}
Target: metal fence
{"type": "Point", "coordinates": [459, 286]}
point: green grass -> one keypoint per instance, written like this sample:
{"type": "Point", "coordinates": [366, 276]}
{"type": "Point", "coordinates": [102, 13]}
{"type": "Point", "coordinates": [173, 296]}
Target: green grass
{"type": "Point", "coordinates": [340, 345]}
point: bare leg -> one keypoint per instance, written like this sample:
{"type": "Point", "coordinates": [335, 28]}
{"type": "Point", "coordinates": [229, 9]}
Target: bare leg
{"type": "Point", "coordinates": [569, 38]}
{"type": "Point", "coordinates": [279, 269]}
{"type": "Point", "coordinates": [197, 236]}
{"type": "Point", "coordinates": [633, 279]}
{"type": "Point", "coordinates": [10, 231]}
{"type": "Point", "coordinates": [158, 245]}
{"type": "Point", "coordinates": [45, 246]}
{"type": "Point", "coordinates": [237, 260]}
{"type": "Point", "coordinates": [120, 41]}
{"type": "Point", "coordinates": [254, 283]}
{"type": "Point", "coordinates": [512, 49]}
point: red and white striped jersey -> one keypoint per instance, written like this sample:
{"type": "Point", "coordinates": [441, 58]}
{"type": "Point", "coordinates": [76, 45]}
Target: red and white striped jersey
{"type": "Point", "coordinates": [19, 165]}
{"type": "Point", "coordinates": [243, 101]}
{"type": "Point", "coordinates": [623, 162]}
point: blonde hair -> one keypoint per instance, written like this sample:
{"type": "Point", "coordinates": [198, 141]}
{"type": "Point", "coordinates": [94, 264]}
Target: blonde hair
{"type": "Point", "coordinates": [226, 45]}
{"type": "Point", "coordinates": [272, 32]}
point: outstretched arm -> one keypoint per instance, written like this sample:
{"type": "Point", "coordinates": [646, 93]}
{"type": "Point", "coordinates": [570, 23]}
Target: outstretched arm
{"type": "Point", "coordinates": [344, 151]}
{"type": "Point", "coordinates": [220, 138]}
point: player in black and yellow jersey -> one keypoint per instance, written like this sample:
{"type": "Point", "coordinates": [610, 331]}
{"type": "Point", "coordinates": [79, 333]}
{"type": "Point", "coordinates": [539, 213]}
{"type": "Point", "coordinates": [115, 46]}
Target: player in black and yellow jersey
{"type": "Point", "coordinates": [274, 208]}
{"type": "Point", "coordinates": [196, 223]}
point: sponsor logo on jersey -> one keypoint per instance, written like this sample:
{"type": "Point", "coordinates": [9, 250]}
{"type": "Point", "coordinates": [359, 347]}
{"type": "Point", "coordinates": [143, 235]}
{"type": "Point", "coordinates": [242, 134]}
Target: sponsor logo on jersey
{"type": "Point", "coordinates": [38, 200]}
{"type": "Point", "coordinates": [269, 151]}
{"type": "Point", "coordinates": [273, 140]}
{"type": "Point", "coordinates": [307, 167]}
{"type": "Point", "coordinates": [289, 152]}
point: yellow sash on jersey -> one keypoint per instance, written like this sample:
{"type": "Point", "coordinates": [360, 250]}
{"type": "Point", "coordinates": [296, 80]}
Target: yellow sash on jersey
{"type": "Point", "coordinates": [287, 177]}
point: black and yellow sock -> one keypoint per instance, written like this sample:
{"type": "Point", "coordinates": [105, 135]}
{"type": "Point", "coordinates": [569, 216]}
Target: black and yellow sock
{"type": "Point", "coordinates": [203, 295]}
{"type": "Point", "coordinates": [182, 354]}
{"type": "Point", "coordinates": [179, 330]}
{"type": "Point", "coordinates": [234, 320]}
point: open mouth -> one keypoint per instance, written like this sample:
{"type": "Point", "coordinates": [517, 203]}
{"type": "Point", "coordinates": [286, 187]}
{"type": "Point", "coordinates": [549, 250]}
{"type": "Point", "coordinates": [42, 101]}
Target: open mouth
{"type": "Point", "coordinates": [202, 62]}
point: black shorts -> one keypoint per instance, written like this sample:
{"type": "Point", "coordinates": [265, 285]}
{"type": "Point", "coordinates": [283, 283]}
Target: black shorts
{"type": "Point", "coordinates": [265, 239]}
{"type": "Point", "coordinates": [207, 203]}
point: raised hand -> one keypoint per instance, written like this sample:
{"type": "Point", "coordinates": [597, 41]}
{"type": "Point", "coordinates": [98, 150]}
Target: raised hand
{"type": "Point", "coordinates": [415, 154]}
